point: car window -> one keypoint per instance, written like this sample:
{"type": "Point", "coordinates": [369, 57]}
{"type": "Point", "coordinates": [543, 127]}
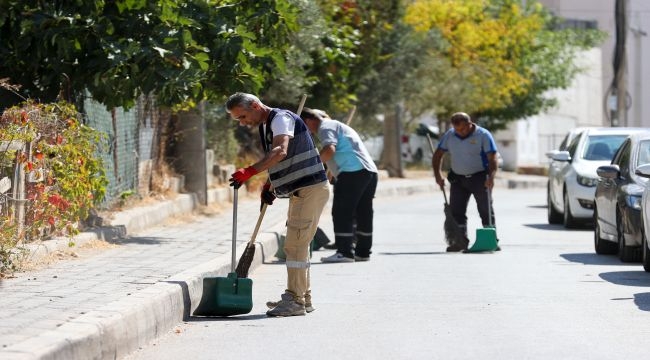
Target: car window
{"type": "Point", "coordinates": [573, 145]}
{"type": "Point", "coordinates": [622, 158]}
{"type": "Point", "coordinates": [564, 142]}
{"type": "Point", "coordinates": [617, 155]}
{"type": "Point", "coordinates": [644, 153]}
{"type": "Point", "coordinates": [602, 147]}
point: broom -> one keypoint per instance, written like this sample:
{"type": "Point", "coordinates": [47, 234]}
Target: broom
{"type": "Point", "coordinates": [247, 256]}
{"type": "Point", "coordinates": [454, 235]}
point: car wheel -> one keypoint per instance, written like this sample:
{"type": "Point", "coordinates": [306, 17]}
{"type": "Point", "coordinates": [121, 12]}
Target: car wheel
{"type": "Point", "coordinates": [625, 253]}
{"type": "Point", "coordinates": [602, 246]}
{"type": "Point", "coordinates": [554, 216]}
{"type": "Point", "coordinates": [645, 257]}
{"type": "Point", "coordinates": [569, 221]}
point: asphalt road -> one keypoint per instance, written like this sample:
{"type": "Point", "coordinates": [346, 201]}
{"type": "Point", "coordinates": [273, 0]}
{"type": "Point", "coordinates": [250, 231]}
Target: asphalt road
{"type": "Point", "coordinates": [546, 295]}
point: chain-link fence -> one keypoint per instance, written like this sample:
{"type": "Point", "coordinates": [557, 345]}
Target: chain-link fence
{"type": "Point", "coordinates": [133, 150]}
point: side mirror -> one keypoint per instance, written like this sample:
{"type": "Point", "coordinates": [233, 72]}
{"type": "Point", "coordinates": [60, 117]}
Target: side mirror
{"type": "Point", "coordinates": [549, 154]}
{"type": "Point", "coordinates": [643, 171]}
{"type": "Point", "coordinates": [608, 171]}
{"type": "Point", "coordinates": [561, 156]}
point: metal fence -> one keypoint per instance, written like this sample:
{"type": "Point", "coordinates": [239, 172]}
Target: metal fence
{"type": "Point", "coordinates": [132, 149]}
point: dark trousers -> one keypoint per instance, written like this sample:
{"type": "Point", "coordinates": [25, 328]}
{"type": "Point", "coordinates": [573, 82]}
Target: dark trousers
{"type": "Point", "coordinates": [352, 212]}
{"type": "Point", "coordinates": [462, 187]}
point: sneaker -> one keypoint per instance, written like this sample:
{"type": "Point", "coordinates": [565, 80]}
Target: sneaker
{"type": "Point", "coordinates": [361, 258]}
{"type": "Point", "coordinates": [287, 308]}
{"type": "Point", "coordinates": [337, 258]}
{"type": "Point", "coordinates": [308, 305]}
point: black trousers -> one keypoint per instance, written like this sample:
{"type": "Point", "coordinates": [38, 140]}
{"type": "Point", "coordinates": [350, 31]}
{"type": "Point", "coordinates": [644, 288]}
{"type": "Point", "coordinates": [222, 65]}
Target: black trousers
{"type": "Point", "coordinates": [352, 212]}
{"type": "Point", "coordinates": [462, 188]}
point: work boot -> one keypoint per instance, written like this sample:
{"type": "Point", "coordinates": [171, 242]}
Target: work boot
{"type": "Point", "coordinates": [460, 245]}
{"type": "Point", "coordinates": [287, 307]}
{"type": "Point", "coordinates": [308, 305]}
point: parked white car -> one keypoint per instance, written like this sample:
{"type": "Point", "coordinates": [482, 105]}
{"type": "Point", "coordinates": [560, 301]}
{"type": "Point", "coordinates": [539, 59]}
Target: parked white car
{"type": "Point", "coordinates": [415, 146]}
{"type": "Point", "coordinates": [572, 176]}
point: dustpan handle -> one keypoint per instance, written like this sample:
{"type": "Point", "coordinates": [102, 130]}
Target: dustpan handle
{"type": "Point", "coordinates": [234, 230]}
{"type": "Point", "coordinates": [489, 200]}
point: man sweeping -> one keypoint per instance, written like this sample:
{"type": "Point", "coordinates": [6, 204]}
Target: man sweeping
{"type": "Point", "coordinates": [295, 172]}
{"type": "Point", "coordinates": [473, 165]}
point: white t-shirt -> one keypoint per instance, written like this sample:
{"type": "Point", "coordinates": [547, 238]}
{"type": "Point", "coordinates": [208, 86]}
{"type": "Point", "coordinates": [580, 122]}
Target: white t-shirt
{"type": "Point", "coordinates": [282, 124]}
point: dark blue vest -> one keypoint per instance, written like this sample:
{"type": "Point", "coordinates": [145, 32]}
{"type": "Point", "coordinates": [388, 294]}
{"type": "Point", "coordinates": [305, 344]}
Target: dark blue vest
{"type": "Point", "coordinates": [302, 166]}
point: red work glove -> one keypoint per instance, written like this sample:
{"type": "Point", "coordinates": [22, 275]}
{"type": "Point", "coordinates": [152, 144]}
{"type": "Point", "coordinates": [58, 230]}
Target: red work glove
{"type": "Point", "coordinates": [266, 195]}
{"type": "Point", "coordinates": [241, 175]}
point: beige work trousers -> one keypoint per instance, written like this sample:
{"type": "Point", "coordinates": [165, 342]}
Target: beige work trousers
{"type": "Point", "coordinates": [305, 207]}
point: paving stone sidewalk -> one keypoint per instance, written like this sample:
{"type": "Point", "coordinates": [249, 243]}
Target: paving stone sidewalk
{"type": "Point", "coordinates": [107, 305]}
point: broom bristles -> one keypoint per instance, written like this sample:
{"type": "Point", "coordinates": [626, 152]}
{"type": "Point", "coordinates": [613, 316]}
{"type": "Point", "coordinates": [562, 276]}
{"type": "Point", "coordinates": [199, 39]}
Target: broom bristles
{"type": "Point", "coordinates": [245, 261]}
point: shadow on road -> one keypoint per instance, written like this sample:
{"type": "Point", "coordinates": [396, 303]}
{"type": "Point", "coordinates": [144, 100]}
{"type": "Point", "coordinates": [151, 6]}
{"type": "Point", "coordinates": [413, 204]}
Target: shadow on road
{"type": "Point", "coordinates": [594, 259]}
{"type": "Point", "coordinates": [627, 278]}
{"type": "Point", "coordinates": [642, 301]}
{"type": "Point", "coordinates": [557, 227]}
{"type": "Point", "coordinates": [537, 206]}
{"type": "Point", "coordinates": [415, 253]}
{"type": "Point", "coordinates": [227, 318]}
{"type": "Point", "coordinates": [631, 278]}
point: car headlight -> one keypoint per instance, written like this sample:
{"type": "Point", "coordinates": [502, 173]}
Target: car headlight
{"type": "Point", "coordinates": [587, 181]}
{"type": "Point", "coordinates": [633, 201]}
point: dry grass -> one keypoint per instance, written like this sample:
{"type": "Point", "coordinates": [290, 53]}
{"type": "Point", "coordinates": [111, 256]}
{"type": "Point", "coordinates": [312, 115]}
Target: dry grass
{"type": "Point", "coordinates": [86, 249]}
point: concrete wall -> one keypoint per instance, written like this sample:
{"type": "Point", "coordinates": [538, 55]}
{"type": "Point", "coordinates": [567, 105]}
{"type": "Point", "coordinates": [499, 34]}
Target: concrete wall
{"type": "Point", "coordinates": [638, 47]}
{"type": "Point", "coordinates": [525, 142]}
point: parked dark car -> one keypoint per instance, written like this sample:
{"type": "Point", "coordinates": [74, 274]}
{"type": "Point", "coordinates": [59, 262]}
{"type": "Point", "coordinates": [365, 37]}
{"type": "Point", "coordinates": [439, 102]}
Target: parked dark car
{"type": "Point", "coordinates": [617, 210]}
{"type": "Point", "coordinates": [644, 171]}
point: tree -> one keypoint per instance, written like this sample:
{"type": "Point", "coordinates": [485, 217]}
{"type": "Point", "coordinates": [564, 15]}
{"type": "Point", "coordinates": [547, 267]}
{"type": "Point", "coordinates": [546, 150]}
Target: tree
{"type": "Point", "coordinates": [183, 51]}
{"type": "Point", "coordinates": [497, 58]}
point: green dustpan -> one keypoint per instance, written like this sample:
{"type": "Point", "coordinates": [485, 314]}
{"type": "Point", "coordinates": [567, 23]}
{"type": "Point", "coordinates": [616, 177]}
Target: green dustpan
{"type": "Point", "coordinates": [225, 296]}
{"type": "Point", "coordinates": [486, 238]}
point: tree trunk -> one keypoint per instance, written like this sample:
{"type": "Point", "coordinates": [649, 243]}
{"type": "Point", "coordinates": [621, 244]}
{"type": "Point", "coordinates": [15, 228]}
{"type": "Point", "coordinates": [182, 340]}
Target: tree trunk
{"type": "Point", "coordinates": [391, 156]}
{"type": "Point", "coordinates": [191, 150]}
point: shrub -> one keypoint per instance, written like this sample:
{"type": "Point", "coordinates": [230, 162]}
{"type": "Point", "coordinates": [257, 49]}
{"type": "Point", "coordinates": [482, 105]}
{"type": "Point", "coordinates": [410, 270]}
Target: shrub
{"type": "Point", "coordinates": [65, 176]}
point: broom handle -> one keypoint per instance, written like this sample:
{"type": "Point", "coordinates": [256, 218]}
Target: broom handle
{"type": "Point", "coordinates": [302, 104]}
{"type": "Point", "coordinates": [257, 226]}
{"type": "Point", "coordinates": [349, 119]}
{"type": "Point", "coordinates": [234, 231]}
{"type": "Point", "coordinates": [489, 198]}
{"type": "Point", "coordinates": [432, 152]}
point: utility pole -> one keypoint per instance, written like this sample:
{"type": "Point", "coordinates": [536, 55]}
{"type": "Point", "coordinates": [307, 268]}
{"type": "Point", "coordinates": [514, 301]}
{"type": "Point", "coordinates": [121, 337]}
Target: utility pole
{"type": "Point", "coordinates": [619, 89]}
{"type": "Point", "coordinates": [638, 62]}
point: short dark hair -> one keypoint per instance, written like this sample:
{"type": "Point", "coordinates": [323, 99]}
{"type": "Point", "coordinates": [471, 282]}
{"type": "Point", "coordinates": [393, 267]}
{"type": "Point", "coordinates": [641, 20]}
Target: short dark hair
{"type": "Point", "coordinates": [309, 114]}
